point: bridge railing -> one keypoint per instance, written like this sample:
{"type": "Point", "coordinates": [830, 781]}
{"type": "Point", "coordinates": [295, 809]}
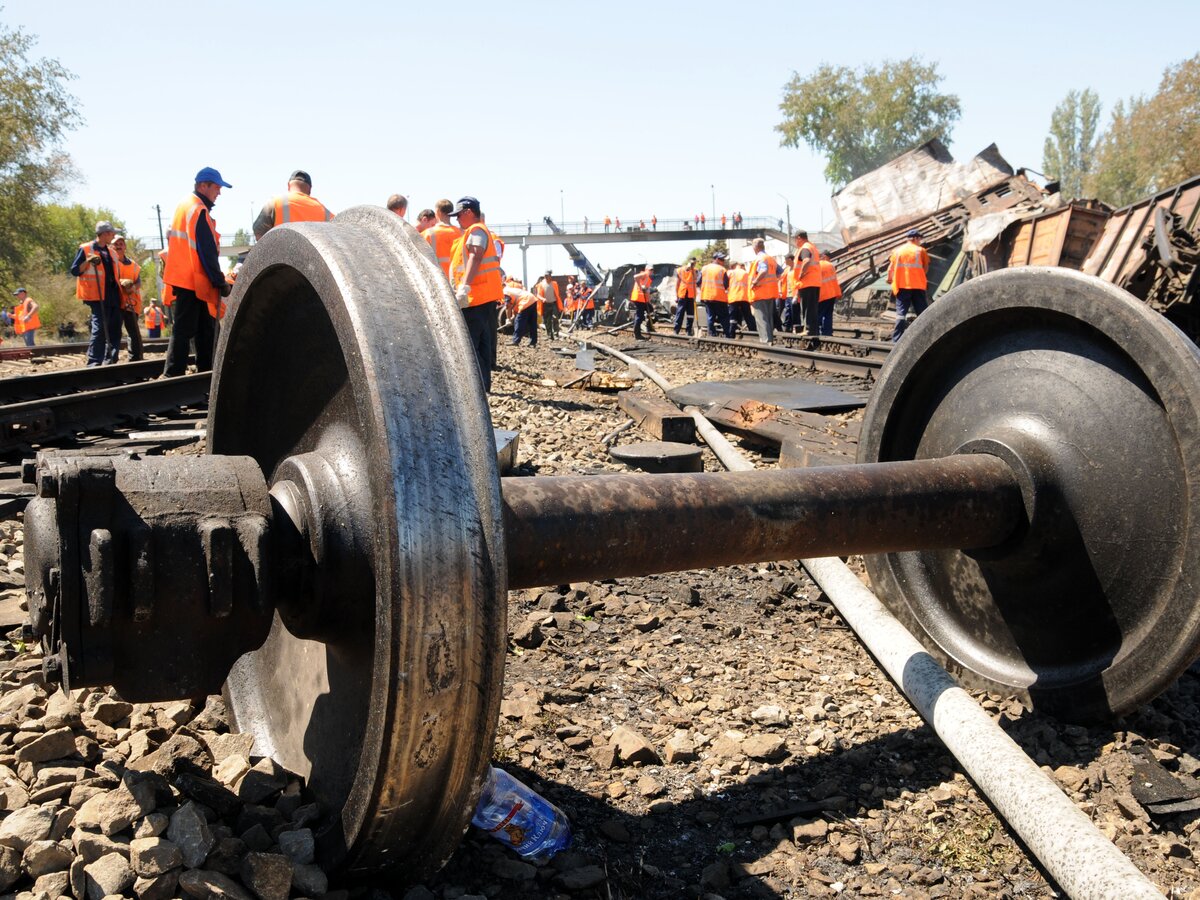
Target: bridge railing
{"type": "Point", "coordinates": [749, 223]}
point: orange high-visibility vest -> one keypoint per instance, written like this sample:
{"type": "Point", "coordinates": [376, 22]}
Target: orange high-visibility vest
{"type": "Point", "coordinates": [441, 238]}
{"type": "Point", "coordinates": [89, 287]}
{"type": "Point", "coordinates": [131, 298]}
{"type": "Point", "coordinates": [712, 283]}
{"type": "Point", "coordinates": [540, 290]}
{"type": "Point", "coordinates": [685, 282]}
{"type": "Point", "coordinates": [487, 286]}
{"type": "Point", "coordinates": [830, 288]}
{"type": "Point", "coordinates": [739, 286]}
{"type": "Point", "coordinates": [812, 272]}
{"type": "Point", "coordinates": [585, 300]}
{"type": "Point", "coordinates": [907, 267]}
{"type": "Point", "coordinates": [184, 269]}
{"type": "Point", "coordinates": [297, 207]}
{"type": "Point", "coordinates": [28, 317]}
{"type": "Point", "coordinates": [768, 287]}
{"type": "Point", "coordinates": [154, 318]}
{"type": "Point", "coordinates": [792, 284]}
{"type": "Point", "coordinates": [641, 288]}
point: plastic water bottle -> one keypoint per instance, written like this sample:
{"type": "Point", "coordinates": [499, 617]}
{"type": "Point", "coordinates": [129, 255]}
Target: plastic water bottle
{"type": "Point", "coordinates": [521, 818]}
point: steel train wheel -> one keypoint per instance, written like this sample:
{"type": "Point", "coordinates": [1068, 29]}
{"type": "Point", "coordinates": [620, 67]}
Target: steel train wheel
{"type": "Point", "coordinates": [344, 346]}
{"type": "Point", "coordinates": [1094, 397]}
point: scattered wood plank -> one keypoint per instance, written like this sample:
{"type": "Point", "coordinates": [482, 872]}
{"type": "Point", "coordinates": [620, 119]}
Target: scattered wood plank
{"type": "Point", "coordinates": [803, 438]}
{"type": "Point", "coordinates": [658, 418]}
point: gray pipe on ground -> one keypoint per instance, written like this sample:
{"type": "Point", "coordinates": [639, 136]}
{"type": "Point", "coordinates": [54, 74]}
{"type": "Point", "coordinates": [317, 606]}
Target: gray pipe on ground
{"type": "Point", "coordinates": [1086, 864]}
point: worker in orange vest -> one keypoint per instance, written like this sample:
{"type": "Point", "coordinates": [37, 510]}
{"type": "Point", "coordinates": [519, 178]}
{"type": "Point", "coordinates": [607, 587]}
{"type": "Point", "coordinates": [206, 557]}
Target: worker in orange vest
{"type": "Point", "coordinates": [808, 282]}
{"type": "Point", "coordinates": [764, 291]}
{"type": "Point", "coordinates": [96, 285]}
{"type": "Point", "coordinates": [907, 273]}
{"type": "Point", "coordinates": [526, 305]}
{"type": "Point", "coordinates": [442, 234]}
{"type": "Point", "coordinates": [714, 294]}
{"type": "Point", "coordinates": [685, 296]}
{"type": "Point", "coordinates": [831, 290]}
{"type": "Point", "coordinates": [26, 320]}
{"type": "Point", "coordinates": [586, 306]}
{"type": "Point", "coordinates": [130, 281]}
{"type": "Point", "coordinates": [477, 282]}
{"type": "Point", "coordinates": [786, 280]}
{"type": "Point", "coordinates": [297, 205]}
{"type": "Point", "coordinates": [154, 319]}
{"type": "Point", "coordinates": [739, 299]}
{"type": "Point", "coordinates": [640, 298]}
{"type": "Point", "coordinates": [193, 272]}
{"type": "Point", "coordinates": [607, 224]}
{"type": "Point", "coordinates": [654, 222]}
{"type": "Point", "coordinates": [550, 304]}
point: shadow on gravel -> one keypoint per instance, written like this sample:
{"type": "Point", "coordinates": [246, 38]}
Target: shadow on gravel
{"type": "Point", "coordinates": [709, 844]}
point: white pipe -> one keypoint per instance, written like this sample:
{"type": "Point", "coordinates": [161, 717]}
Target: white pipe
{"type": "Point", "coordinates": [1082, 860]}
{"type": "Point", "coordinates": [1086, 864]}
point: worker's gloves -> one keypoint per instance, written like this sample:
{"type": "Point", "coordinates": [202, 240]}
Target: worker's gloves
{"type": "Point", "coordinates": [127, 283]}
{"type": "Point", "coordinates": [462, 294]}
{"type": "Point", "coordinates": [226, 289]}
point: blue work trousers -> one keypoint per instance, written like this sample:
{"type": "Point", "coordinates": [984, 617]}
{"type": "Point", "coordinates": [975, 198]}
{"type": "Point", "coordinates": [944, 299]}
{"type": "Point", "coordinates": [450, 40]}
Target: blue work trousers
{"type": "Point", "coordinates": [106, 332]}
{"type": "Point", "coordinates": [906, 299]}
{"type": "Point", "coordinates": [482, 321]}
{"type": "Point", "coordinates": [685, 312]}
{"type": "Point", "coordinates": [640, 311]}
{"type": "Point", "coordinates": [525, 325]}
{"type": "Point", "coordinates": [718, 318]}
{"type": "Point", "coordinates": [825, 317]}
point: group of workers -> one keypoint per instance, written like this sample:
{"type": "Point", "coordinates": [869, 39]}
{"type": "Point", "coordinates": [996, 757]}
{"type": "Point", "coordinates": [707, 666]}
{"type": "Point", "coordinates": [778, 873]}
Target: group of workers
{"type": "Point", "coordinates": [195, 287]}
{"type": "Point", "coordinates": [110, 283]}
{"type": "Point", "coordinates": [765, 297]}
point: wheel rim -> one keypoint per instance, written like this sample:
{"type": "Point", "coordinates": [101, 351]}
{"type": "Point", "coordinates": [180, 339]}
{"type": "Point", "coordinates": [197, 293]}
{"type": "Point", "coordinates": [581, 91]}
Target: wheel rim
{"type": "Point", "coordinates": [1102, 392]}
{"type": "Point", "coordinates": [343, 342]}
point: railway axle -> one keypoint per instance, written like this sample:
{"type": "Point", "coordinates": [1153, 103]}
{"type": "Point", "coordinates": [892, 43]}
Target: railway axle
{"type": "Point", "coordinates": [341, 559]}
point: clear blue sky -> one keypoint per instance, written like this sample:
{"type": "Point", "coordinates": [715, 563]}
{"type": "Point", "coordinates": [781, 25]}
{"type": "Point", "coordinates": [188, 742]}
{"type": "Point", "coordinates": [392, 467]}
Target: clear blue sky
{"type": "Point", "coordinates": [627, 109]}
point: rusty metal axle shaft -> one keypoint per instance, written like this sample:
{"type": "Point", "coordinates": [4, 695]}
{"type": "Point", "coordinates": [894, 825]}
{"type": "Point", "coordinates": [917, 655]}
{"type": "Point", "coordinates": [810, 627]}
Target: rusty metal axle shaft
{"type": "Point", "coordinates": [579, 528]}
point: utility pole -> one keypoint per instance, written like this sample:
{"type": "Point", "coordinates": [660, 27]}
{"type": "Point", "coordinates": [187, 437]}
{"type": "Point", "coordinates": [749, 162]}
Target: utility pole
{"type": "Point", "coordinates": [562, 216]}
{"type": "Point", "coordinates": [162, 244]}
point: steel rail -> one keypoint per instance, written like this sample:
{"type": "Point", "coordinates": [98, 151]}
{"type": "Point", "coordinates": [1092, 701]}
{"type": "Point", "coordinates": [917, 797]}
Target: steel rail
{"type": "Point", "coordinates": [56, 417]}
{"type": "Point", "coordinates": [150, 345]}
{"type": "Point", "coordinates": [863, 367]}
{"type": "Point", "coordinates": [20, 388]}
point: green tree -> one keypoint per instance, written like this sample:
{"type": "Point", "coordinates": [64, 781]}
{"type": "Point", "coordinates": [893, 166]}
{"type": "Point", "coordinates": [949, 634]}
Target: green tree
{"type": "Point", "coordinates": [1069, 153]}
{"type": "Point", "coordinates": [64, 228]}
{"type": "Point", "coordinates": [1151, 142]}
{"type": "Point", "coordinates": [861, 119]}
{"type": "Point", "coordinates": [704, 255]}
{"type": "Point", "coordinates": [36, 111]}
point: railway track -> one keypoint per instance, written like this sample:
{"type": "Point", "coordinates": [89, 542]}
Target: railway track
{"type": "Point", "coordinates": [40, 385]}
{"type": "Point", "coordinates": [830, 354]}
{"type": "Point", "coordinates": [153, 345]}
{"type": "Point", "coordinates": [27, 424]}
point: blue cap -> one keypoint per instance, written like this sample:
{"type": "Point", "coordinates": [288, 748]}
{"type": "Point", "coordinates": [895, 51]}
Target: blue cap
{"type": "Point", "coordinates": [208, 173]}
{"type": "Point", "coordinates": [913, 232]}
